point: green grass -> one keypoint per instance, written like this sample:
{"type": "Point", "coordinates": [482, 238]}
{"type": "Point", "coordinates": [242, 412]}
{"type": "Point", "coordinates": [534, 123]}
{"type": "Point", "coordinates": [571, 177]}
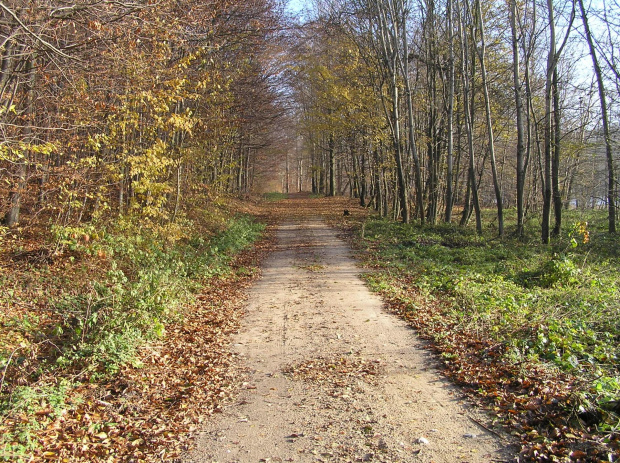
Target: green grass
{"type": "Point", "coordinates": [275, 196]}
{"type": "Point", "coordinates": [556, 304]}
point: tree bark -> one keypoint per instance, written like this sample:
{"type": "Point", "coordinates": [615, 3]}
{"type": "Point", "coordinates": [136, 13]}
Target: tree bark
{"type": "Point", "coordinates": [450, 154]}
{"type": "Point", "coordinates": [468, 110]}
{"type": "Point", "coordinates": [555, 159]}
{"type": "Point", "coordinates": [390, 25]}
{"type": "Point", "coordinates": [16, 197]}
{"type": "Point", "coordinates": [487, 106]}
{"type": "Point", "coordinates": [404, 64]}
{"type": "Point", "coordinates": [552, 61]}
{"type": "Point", "coordinates": [332, 166]}
{"type": "Point", "coordinates": [611, 183]}
{"type": "Point", "coordinates": [519, 113]}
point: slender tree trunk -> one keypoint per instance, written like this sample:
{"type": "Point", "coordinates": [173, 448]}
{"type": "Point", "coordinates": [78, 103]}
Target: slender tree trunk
{"type": "Point", "coordinates": [466, 202]}
{"type": "Point", "coordinates": [363, 186]}
{"type": "Point", "coordinates": [487, 107]}
{"type": "Point", "coordinates": [551, 63]}
{"type": "Point", "coordinates": [402, 189]}
{"type": "Point", "coordinates": [6, 64]}
{"type": "Point", "coordinates": [528, 46]}
{"type": "Point", "coordinates": [286, 175]}
{"type": "Point", "coordinates": [322, 174]}
{"type": "Point", "coordinates": [390, 17]}
{"type": "Point", "coordinates": [551, 77]}
{"type": "Point", "coordinates": [450, 155]}
{"type": "Point", "coordinates": [611, 183]}
{"type": "Point", "coordinates": [555, 159]}
{"type": "Point", "coordinates": [177, 198]}
{"type": "Point", "coordinates": [468, 111]}
{"type": "Point", "coordinates": [12, 217]}
{"type": "Point", "coordinates": [386, 193]}
{"type": "Point", "coordinates": [404, 64]}
{"type": "Point", "coordinates": [432, 185]}
{"type": "Point", "coordinates": [315, 169]}
{"type": "Point", "coordinates": [300, 175]}
{"type": "Point", "coordinates": [332, 166]}
{"type": "Point", "coordinates": [378, 183]}
{"type": "Point", "coordinates": [520, 128]}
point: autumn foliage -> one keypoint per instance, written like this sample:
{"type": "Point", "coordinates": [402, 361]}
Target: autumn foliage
{"type": "Point", "coordinates": [137, 108]}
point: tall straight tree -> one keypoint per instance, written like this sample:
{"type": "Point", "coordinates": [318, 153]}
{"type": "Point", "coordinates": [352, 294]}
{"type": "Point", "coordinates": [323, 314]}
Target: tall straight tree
{"type": "Point", "coordinates": [611, 183]}
{"type": "Point", "coordinates": [552, 130]}
{"type": "Point", "coordinates": [481, 51]}
{"type": "Point", "coordinates": [389, 17]}
{"type": "Point", "coordinates": [469, 123]}
{"type": "Point", "coordinates": [521, 161]}
{"type": "Point", "coordinates": [551, 64]}
{"type": "Point", "coordinates": [403, 60]}
{"type": "Point", "coordinates": [433, 144]}
{"type": "Point", "coordinates": [450, 154]}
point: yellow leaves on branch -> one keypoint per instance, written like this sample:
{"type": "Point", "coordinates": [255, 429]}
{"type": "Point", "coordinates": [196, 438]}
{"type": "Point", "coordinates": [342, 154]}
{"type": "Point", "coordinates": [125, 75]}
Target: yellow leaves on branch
{"type": "Point", "coordinates": [183, 121]}
{"type": "Point", "coordinates": [150, 172]}
{"type": "Point", "coordinates": [17, 152]}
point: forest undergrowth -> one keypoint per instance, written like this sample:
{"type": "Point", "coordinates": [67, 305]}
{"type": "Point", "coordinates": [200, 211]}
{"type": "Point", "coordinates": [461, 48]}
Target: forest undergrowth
{"type": "Point", "coordinates": [531, 330]}
{"type": "Point", "coordinates": [114, 336]}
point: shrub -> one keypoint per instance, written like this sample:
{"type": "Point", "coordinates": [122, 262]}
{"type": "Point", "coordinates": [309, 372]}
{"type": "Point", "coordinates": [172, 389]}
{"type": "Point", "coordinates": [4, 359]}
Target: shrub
{"type": "Point", "coordinates": [146, 282]}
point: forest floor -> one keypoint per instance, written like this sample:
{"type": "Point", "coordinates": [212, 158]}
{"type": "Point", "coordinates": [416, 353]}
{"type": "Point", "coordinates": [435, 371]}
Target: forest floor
{"type": "Point", "coordinates": [330, 375]}
{"type": "Point", "coordinates": [305, 363]}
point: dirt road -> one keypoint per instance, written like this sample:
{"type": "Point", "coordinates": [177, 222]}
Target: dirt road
{"type": "Point", "coordinates": [332, 377]}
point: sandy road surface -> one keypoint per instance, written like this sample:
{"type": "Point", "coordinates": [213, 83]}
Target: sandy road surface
{"type": "Point", "coordinates": [332, 377]}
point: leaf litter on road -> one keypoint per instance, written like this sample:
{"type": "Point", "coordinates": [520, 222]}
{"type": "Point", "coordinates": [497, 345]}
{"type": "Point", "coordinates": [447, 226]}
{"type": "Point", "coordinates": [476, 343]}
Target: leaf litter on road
{"type": "Point", "coordinates": [337, 371]}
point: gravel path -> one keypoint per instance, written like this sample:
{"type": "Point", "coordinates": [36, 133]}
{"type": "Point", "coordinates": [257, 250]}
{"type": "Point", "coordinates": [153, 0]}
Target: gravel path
{"type": "Point", "coordinates": [332, 377]}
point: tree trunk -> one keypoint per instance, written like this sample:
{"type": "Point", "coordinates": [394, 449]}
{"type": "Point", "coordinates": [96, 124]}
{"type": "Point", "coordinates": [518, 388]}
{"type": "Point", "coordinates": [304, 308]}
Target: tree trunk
{"type": "Point", "coordinates": [390, 18]}
{"type": "Point", "coordinates": [16, 197]}
{"type": "Point", "coordinates": [177, 198]}
{"type": "Point", "coordinates": [332, 166]}
{"type": "Point", "coordinates": [402, 190]}
{"type": "Point", "coordinates": [551, 63]}
{"type": "Point", "coordinates": [450, 154]}
{"type": "Point", "coordinates": [487, 107]}
{"type": "Point", "coordinates": [404, 62]}
{"type": "Point", "coordinates": [555, 159]}
{"type": "Point", "coordinates": [315, 169]}
{"type": "Point", "coordinates": [611, 183]}
{"type": "Point", "coordinates": [363, 186]}
{"type": "Point", "coordinates": [520, 128]}
{"type": "Point", "coordinates": [468, 110]}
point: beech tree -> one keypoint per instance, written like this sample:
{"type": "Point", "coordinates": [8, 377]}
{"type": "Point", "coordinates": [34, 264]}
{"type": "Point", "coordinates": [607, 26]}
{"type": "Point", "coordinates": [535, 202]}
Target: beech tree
{"type": "Point", "coordinates": [522, 159]}
{"type": "Point", "coordinates": [481, 52]}
{"type": "Point", "coordinates": [125, 108]}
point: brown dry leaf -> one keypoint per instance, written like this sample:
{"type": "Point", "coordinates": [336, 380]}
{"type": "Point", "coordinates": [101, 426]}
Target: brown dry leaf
{"type": "Point", "coordinates": [150, 413]}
